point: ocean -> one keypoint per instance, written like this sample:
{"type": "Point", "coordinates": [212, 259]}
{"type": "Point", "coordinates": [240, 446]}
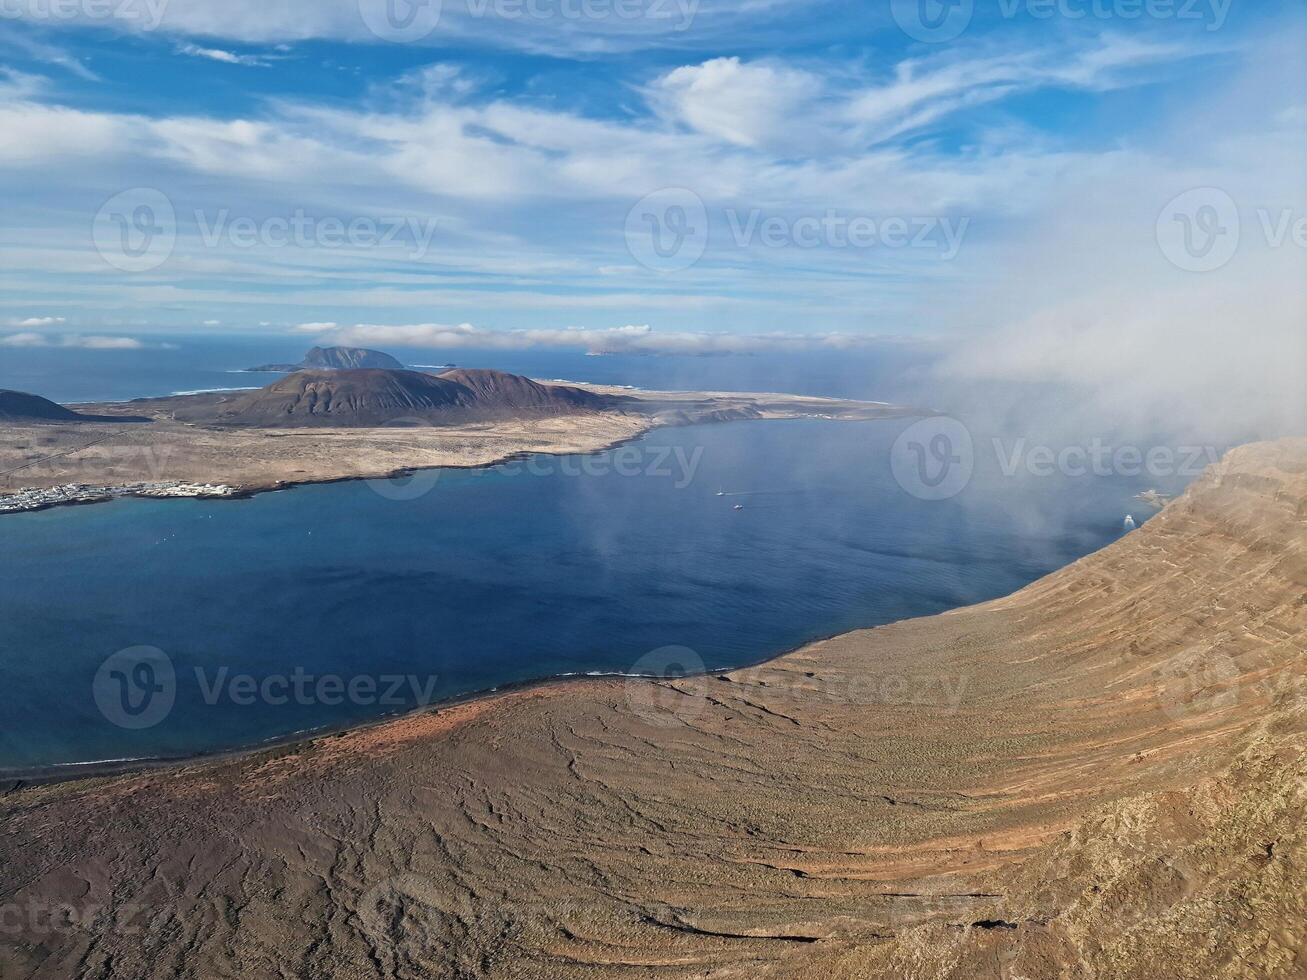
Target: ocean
{"type": "Point", "coordinates": [148, 629]}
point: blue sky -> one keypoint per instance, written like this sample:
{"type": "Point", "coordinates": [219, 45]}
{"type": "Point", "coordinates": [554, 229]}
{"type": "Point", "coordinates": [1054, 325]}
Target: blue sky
{"type": "Point", "coordinates": [659, 175]}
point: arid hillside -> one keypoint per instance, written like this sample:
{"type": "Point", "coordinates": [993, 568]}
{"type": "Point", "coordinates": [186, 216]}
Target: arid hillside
{"type": "Point", "coordinates": [1100, 776]}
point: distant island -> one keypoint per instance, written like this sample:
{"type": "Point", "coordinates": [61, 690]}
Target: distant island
{"type": "Point", "coordinates": [369, 397]}
{"type": "Point", "coordinates": [335, 359]}
{"type": "Point", "coordinates": [325, 424]}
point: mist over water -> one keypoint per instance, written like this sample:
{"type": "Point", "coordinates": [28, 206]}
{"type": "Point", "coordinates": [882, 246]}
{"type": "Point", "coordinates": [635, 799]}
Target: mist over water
{"type": "Point", "coordinates": [530, 570]}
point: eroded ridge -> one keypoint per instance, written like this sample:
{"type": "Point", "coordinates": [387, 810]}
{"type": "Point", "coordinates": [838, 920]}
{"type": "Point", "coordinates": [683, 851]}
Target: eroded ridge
{"type": "Point", "coordinates": [1101, 775]}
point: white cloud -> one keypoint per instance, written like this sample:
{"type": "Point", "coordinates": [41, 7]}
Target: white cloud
{"type": "Point", "coordinates": [71, 341]}
{"type": "Point", "coordinates": [531, 200]}
{"type": "Point", "coordinates": [36, 134]}
{"type": "Point", "coordinates": [1125, 334]}
{"type": "Point", "coordinates": [48, 53]}
{"type": "Point", "coordinates": [24, 340]}
{"type": "Point", "coordinates": [744, 104]}
{"type": "Point", "coordinates": [632, 339]}
{"type": "Point", "coordinates": [546, 26]}
{"type": "Point", "coordinates": [218, 54]}
{"type": "Point", "coordinates": [35, 322]}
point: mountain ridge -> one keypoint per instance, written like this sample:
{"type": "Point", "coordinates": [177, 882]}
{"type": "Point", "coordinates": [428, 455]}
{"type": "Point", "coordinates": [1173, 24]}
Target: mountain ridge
{"type": "Point", "coordinates": [335, 359]}
{"type": "Point", "coordinates": [372, 397]}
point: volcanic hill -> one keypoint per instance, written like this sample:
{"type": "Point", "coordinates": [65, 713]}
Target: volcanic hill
{"type": "Point", "coordinates": [368, 397]}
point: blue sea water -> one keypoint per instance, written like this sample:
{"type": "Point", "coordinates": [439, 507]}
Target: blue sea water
{"type": "Point", "coordinates": [463, 581]}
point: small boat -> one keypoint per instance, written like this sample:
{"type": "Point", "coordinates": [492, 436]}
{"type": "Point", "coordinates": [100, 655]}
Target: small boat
{"type": "Point", "coordinates": [1129, 523]}
{"type": "Point", "coordinates": [739, 507]}
{"type": "Point", "coordinates": [721, 493]}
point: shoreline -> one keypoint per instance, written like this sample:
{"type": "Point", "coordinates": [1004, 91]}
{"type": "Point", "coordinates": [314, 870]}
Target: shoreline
{"type": "Point", "coordinates": [16, 780]}
{"type": "Point", "coordinates": [824, 812]}
{"type": "Point", "coordinates": [244, 492]}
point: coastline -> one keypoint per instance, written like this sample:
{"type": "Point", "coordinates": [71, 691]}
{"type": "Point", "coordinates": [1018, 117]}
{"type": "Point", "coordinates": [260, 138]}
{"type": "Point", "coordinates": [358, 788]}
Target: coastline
{"type": "Point", "coordinates": [239, 458]}
{"type": "Point", "coordinates": [823, 813]}
{"type": "Point", "coordinates": [15, 780]}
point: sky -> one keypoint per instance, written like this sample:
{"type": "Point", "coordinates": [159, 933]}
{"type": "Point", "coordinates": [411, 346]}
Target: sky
{"type": "Point", "coordinates": [1052, 187]}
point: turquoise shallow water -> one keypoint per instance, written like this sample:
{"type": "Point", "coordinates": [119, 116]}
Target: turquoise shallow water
{"type": "Point", "coordinates": [487, 578]}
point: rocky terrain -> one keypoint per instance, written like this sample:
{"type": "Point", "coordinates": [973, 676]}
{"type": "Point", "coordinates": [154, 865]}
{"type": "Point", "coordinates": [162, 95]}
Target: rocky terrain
{"type": "Point", "coordinates": [311, 427]}
{"type": "Point", "coordinates": [1099, 776]}
{"type": "Point", "coordinates": [368, 397]}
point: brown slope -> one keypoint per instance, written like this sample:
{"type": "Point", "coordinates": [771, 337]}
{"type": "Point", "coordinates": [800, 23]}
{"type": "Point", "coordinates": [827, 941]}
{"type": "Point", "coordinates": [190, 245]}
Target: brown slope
{"type": "Point", "coordinates": [1101, 776]}
{"type": "Point", "coordinates": [367, 397]}
{"type": "Point", "coordinates": [19, 406]}
{"type": "Point", "coordinates": [516, 393]}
